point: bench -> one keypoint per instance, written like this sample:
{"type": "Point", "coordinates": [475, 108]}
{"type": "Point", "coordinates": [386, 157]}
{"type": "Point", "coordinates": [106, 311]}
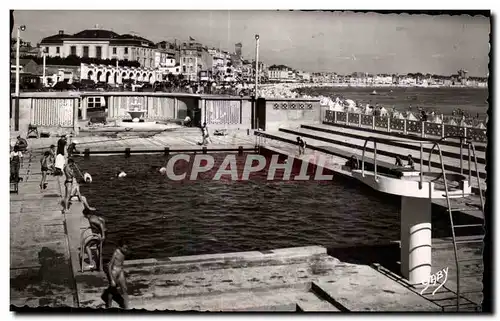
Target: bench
{"type": "Point", "coordinates": [32, 129]}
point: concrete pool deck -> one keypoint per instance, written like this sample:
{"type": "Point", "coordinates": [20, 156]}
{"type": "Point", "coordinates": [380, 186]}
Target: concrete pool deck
{"type": "Point", "coordinates": [45, 270]}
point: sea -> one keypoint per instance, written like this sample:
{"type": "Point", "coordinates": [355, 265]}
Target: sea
{"type": "Point", "coordinates": [442, 100]}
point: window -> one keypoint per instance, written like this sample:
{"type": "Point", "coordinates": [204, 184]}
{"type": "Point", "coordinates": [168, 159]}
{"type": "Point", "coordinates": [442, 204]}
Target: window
{"type": "Point", "coordinates": [46, 50]}
{"type": "Point", "coordinates": [86, 51]}
{"type": "Point", "coordinates": [98, 52]}
{"type": "Point", "coordinates": [126, 50]}
{"type": "Point", "coordinates": [73, 50]}
{"type": "Point", "coordinates": [184, 69]}
{"type": "Point", "coordinates": [94, 102]}
{"type": "Point", "coordinates": [114, 50]}
{"type": "Point", "coordinates": [58, 50]}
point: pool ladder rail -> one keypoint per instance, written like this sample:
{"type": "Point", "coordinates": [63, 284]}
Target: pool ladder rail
{"type": "Point", "coordinates": [95, 242]}
{"type": "Point", "coordinates": [462, 263]}
{"type": "Point", "coordinates": [450, 196]}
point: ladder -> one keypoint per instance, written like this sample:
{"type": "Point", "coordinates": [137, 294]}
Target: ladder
{"type": "Point", "coordinates": [459, 241]}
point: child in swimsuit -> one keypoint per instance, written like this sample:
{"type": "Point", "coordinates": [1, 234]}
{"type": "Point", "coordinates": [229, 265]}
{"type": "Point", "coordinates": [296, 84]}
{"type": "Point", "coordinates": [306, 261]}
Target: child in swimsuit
{"type": "Point", "coordinates": [46, 166]}
{"type": "Point", "coordinates": [72, 188]}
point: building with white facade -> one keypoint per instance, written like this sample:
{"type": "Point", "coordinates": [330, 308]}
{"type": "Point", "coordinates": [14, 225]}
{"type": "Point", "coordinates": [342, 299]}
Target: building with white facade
{"type": "Point", "coordinates": [116, 75]}
{"type": "Point", "coordinates": [101, 44]}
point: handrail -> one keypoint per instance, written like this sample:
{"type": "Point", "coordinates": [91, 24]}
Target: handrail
{"type": "Point", "coordinates": [477, 175]}
{"type": "Point", "coordinates": [451, 222]}
{"type": "Point", "coordinates": [363, 159]}
{"type": "Point", "coordinates": [375, 139]}
{"type": "Point", "coordinates": [87, 240]}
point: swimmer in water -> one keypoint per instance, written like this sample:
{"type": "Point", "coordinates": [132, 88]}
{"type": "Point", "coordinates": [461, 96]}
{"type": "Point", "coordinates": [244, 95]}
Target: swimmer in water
{"type": "Point", "coordinates": [117, 289]}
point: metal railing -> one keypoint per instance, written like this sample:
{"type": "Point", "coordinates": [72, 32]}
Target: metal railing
{"type": "Point", "coordinates": [386, 140]}
{"type": "Point", "coordinates": [407, 126]}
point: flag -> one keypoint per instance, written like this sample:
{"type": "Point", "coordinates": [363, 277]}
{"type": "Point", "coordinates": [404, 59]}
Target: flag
{"type": "Point", "coordinates": [191, 38]}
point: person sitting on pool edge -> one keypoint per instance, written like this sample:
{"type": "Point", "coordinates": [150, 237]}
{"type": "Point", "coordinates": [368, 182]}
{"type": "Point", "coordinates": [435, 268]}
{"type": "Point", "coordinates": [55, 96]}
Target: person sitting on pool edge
{"type": "Point", "coordinates": [411, 163]}
{"type": "Point", "coordinates": [72, 188]}
{"type": "Point", "coordinates": [22, 144]}
{"type": "Point", "coordinates": [399, 162]}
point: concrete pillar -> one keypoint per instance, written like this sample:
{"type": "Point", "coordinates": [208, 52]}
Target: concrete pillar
{"type": "Point", "coordinates": [416, 239]}
{"type": "Point", "coordinates": [84, 107]}
{"type": "Point", "coordinates": [76, 128]}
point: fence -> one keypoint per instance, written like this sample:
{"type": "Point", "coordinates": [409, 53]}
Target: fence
{"type": "Point", "coordinates": [405, 126]}
{"type": "Point", "coordinates": [57, 112]}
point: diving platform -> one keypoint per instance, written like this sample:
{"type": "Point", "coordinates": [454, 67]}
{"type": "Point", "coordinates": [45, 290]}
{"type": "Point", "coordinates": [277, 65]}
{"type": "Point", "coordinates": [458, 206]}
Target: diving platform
{"type": "Point", "coordinates": [417, 189]}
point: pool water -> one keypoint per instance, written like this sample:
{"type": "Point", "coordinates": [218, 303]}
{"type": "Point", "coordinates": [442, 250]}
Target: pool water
{"type": "Point", "coordinates": [161, 218]}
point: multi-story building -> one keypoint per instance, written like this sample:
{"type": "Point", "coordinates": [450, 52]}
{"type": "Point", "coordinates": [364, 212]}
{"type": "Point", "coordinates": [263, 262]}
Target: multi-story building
{"type": "Point", "coordinates": [282, 74]}
{"type": "Point", "coordinates": [303, 76]}
{"type": "Point", "coordinates": [101, 44]}
{"type": "Point", "coordinates": [166, 50]}
{"type": "Point", "coordinates": [195, 59]}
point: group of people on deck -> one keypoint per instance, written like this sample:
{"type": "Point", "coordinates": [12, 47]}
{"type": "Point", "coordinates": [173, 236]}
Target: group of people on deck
{"type": "Point", "coordinates": [58, 161]}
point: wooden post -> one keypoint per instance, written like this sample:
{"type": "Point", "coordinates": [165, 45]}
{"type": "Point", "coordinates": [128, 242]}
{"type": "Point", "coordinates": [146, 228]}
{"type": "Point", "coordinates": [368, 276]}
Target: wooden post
{"type": "Point", "coordinates": [86, 153]}
{"type": "Point", "coordinates": [373, 121]}
{"type": "Point", "coordinates": [240, 150]}
{"type": "Point", "coordinates": [75, 117]}
{"type": "Point", "coordinates": [176, 108]}
{"type": "Point", "coordinates": [204, 149]}
{"type": "Point", "coordinates": [388, 124]}
{"type": "Point", "coordinates": [167, 151]}
{"type": "Point", "coordinates": [442, 129]}
{"type": "Point", "coordinates": [465, 132]}
{"type": "Point", "coordinates": [335, 116]}
{"type": "Point", "coordinates": [347, 118]}
{"type": "Point", "coordinates": [423, 128]}
{"type": "Point", "coordinates": [404, 127]}
{"type": "Point", "coordinates": [359, 120]}
{"type": "Point", "coordinates": [127, 152]}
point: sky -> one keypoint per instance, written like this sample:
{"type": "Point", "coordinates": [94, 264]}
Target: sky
{"type": "Point", "coordinates": [342, 42]}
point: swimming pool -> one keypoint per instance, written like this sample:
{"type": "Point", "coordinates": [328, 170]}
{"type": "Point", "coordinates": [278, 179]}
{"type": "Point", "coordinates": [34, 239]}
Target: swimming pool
{"type": "Point", "coordinates": [163, 218]}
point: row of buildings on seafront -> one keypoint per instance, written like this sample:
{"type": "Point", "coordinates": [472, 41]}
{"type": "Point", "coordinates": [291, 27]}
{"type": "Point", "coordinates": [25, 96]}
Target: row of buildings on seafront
{"type": "Point", "coordinates": [143, 60]}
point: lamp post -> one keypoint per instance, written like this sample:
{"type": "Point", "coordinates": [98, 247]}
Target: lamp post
{"type": "Point", "coordinates": [44, 55]}
{"type": "Point", "coordinates": [256, 64]}
{"type": "Point", "coordinates": [16, 95]}
{"type": "Point", "coordinates": [256, 122]}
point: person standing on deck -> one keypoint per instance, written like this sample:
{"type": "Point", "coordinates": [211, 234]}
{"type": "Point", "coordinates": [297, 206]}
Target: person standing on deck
{"type": "Point", "coordinates": [302, 146]}
{"type": "Point", "coordinates": [46, 167]}
{"type": "Point", "coordinates": [205, 135]}
{"type": "Point", "coordinates": [117, 289]}
{"type": "Point", "coordinates": [72, 188]}
{"type": "Point", "coordinates": [16, 158]}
